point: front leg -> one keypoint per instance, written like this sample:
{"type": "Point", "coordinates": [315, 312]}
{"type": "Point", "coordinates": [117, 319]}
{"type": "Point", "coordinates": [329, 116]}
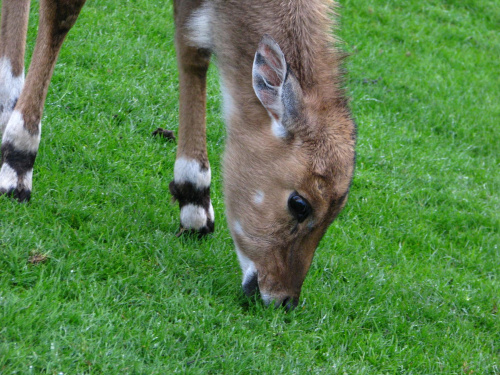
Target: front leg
{"type": "Point", "coordinates": [21, 136]}
{"type": "Point", "coordinates": [12, 46]}
{"type": "Point", "coordinates": [192, 175]}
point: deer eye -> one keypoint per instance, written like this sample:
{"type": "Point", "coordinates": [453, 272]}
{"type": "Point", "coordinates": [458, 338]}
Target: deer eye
{"type": "Point", "coordinates": [299, 207]}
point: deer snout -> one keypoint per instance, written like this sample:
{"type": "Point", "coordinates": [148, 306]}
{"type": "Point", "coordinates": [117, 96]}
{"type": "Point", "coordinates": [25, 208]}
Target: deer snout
{"type": "Point", "coordinates": [290, 303]}
{"type": "Point", "coordinates": [286, 301]}
{"type": "Point", "coordinates": [251, 286]}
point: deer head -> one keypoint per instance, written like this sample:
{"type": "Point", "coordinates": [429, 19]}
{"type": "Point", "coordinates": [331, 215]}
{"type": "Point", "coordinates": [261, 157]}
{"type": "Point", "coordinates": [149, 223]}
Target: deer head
{"type": "Point", "coordinates": [288, 166]}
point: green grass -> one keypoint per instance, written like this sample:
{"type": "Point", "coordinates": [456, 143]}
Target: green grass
{"type": "Point", "coordinates": [406, 281]}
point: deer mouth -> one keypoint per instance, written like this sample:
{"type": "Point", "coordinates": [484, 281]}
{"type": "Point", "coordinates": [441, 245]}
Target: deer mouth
{"type": "Point", "coordinates": [251, 287]}
{"type": "Point", "coordinates": [251, 284]}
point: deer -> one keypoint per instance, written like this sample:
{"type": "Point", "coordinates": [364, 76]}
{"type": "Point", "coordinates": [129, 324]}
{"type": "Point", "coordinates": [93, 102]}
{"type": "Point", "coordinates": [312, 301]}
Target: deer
{"type": "Point", "coordinates": [290, 149]}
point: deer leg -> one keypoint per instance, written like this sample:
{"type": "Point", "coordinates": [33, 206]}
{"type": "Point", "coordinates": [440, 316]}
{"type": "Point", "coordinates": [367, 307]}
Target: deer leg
{"type": "Point", "coordinates": [21, 136]}
{"type": "Point", "coordinates": [191, 184]}
{"type": "Point", "coordinates": [12, 46]}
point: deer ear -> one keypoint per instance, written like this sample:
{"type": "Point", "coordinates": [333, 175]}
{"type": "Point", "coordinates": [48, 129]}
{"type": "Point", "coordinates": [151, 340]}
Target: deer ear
{"type": "Point", "coordinates": [268, 76]}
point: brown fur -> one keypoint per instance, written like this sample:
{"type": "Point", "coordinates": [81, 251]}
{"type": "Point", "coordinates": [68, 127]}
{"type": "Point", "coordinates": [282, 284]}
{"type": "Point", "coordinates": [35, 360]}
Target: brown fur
{"type": "Point", "coordinates": [193, 65]}
{"type": "Point", "coordinates": [13, 33]}
{"type": "Point", "coordinates": [317, 160]}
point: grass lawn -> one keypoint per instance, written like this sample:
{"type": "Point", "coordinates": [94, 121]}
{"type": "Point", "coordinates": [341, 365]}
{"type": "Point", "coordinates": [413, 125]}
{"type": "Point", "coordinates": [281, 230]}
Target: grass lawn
{"type": "Point", "coordinates": [406, 280]}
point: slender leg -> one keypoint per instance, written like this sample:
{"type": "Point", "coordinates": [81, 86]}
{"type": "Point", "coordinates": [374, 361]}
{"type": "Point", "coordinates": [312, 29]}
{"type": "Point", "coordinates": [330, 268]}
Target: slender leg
{"type": "Point", "coordinates": [191, 185]}
{"type": "Point", "coordinates": [12, 46]}
{"type": "Point", "coordinates": [22, 134]}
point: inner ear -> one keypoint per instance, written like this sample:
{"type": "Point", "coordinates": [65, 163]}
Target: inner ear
{"type": "Point", "coordinates": [269, 75]}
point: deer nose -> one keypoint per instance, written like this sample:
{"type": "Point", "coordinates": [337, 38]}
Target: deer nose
{"type": "Point", "coordinates": [290, 303]}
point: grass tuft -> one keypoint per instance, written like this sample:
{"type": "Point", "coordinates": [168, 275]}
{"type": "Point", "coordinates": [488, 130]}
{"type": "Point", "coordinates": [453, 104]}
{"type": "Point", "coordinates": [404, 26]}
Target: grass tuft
{"type": "Point", "coordinates": [36, 258]}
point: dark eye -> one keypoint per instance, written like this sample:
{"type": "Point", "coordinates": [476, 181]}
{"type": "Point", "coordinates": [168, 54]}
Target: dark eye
{"type": "Point", "coordinates": [299, 207]}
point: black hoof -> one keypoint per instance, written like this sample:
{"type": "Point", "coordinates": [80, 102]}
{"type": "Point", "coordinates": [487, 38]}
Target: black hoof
{"type": "Point", "coordinates": [200, 233]}
{"type": "Point", "coordinates": [21, 195]}
{"type": "Point", "coordinates": [186, 194]}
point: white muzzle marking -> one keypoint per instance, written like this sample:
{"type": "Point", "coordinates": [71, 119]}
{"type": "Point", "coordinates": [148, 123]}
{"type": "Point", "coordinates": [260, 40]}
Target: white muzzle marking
{"type": "Point", "coordinates": [247, 266]}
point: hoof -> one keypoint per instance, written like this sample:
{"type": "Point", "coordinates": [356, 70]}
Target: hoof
{"type": "Point", "coordinates": [21, 195]}
{"type": "Point", "coordinates": [200, 232]}
{"type": "Point", "coordinates": [197, 213]}
{"type": "Point", "coordinates": [15, 182]}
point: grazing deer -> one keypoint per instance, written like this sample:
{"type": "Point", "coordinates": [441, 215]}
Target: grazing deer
{"type": "Point", "coordinates": [289, 157]}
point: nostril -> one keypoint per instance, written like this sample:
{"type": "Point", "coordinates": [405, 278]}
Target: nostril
{"type": "Point", "coordinates": [289, 303]}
